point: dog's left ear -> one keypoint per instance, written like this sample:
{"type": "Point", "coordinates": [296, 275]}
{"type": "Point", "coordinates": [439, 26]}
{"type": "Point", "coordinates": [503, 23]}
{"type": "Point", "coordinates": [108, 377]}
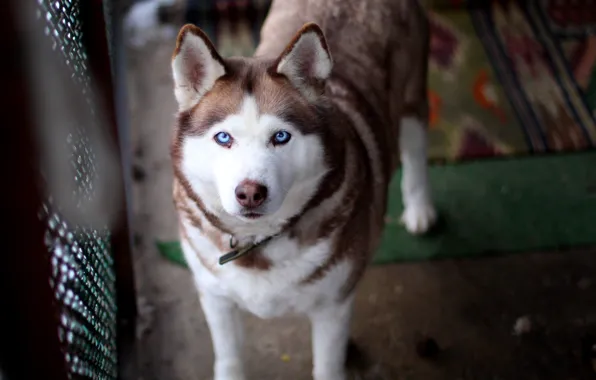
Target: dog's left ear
{"type": "Point", "coordinates": [306, 61]}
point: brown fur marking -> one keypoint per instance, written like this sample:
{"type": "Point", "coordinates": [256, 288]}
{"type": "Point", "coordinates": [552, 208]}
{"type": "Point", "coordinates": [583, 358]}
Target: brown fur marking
{"type": "Point", "coordinates": [254, 260]}
{"type": "Point", "coordinates": [184, 237]}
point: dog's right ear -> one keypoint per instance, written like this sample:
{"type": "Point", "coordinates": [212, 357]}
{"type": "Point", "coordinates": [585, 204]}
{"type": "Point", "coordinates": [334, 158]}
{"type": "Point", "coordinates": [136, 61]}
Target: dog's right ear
{"type": "Point", "coordinates": [306, 61]}
{"type": "Point", "coordinates": [196, 66]}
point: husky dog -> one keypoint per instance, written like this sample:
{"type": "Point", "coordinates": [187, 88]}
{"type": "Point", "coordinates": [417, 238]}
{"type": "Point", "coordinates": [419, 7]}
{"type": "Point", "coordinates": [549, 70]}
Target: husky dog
{"type": "Point", "coordinates": [282, 164]}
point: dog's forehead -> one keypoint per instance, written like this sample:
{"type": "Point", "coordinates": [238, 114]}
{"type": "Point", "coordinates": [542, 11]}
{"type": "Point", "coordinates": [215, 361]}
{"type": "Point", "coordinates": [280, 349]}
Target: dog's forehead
{"type": "Point", "coordinates": [272, 94]}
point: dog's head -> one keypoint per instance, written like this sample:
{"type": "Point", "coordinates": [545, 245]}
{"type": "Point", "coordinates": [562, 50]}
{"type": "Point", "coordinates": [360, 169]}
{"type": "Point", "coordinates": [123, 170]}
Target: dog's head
{"type": "Point", "coordinates": [250, 138]}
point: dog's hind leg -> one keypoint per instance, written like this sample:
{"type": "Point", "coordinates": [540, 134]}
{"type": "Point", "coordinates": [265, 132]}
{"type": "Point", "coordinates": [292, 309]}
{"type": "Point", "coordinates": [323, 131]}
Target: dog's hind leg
{"type": "Point", "coordinates": [419, 213]}
{"type": "Point", "coordinates": [411, 85]}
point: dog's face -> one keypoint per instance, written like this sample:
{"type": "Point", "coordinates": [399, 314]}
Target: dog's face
{"type": "Point", "coordinates": [251, 133]}
{"type": "Point", "coordinates": [249, 162]}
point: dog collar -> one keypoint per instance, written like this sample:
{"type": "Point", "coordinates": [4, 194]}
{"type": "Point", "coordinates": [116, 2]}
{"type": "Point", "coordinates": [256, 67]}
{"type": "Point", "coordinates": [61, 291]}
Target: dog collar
{"type": "Point", "coordinates": [236, 253]}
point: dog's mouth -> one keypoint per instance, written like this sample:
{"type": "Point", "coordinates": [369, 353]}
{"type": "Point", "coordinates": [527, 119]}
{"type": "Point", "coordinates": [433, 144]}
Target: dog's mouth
{"type": "Point", "coordinates": [251, 215]}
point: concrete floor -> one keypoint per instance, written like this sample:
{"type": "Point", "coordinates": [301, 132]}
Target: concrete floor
{"type": "Point", "coordinates": [468, 306]}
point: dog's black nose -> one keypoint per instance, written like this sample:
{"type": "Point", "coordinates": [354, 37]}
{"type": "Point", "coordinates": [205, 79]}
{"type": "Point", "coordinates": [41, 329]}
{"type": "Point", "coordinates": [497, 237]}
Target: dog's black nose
{"type": "Point", "coordinates": [251, 194]}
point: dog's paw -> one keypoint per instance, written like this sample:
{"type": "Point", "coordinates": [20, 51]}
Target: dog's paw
{"type": "Point", "coordinates": [418, 218]}
{"type": "Point", "coordinates": [229, 371]}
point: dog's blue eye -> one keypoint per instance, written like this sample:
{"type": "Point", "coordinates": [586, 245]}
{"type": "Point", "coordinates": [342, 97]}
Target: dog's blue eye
{"type": "Point", "coordinates": [281, 137]}
{"type": "Point", "coordinates": [223, 138]}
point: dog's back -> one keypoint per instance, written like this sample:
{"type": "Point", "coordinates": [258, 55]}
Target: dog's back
{"type": "Point", "coordinates": [379, 49]}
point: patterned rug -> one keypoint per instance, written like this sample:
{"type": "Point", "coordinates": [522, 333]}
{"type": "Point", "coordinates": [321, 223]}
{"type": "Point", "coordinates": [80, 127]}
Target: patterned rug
{"type": "Point", "coordinates": [506, 77]}
{"type": "Point", "coordinates": [513, 77]}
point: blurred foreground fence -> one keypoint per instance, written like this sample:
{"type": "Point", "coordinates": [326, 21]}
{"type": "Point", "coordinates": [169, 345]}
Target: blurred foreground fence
{"type": "Point", "coordinates": [67, 300]}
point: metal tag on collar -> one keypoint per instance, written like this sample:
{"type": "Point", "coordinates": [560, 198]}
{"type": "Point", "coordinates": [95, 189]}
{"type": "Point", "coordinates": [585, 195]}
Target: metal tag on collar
{"type": "Point", "coordinates": [233, 242]}
{"type": "Point", "coordinates": [233, 255]}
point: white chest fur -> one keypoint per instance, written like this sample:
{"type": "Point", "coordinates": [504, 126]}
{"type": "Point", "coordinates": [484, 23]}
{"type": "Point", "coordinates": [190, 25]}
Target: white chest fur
{"type": "Point", "coordinates": [273, 292]}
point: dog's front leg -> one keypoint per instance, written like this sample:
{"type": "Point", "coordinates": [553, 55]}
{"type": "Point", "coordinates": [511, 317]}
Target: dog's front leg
{"type": "Point", "coordinates": [330, 333]}
{"type": "Point", "coordinates": [227, 336]}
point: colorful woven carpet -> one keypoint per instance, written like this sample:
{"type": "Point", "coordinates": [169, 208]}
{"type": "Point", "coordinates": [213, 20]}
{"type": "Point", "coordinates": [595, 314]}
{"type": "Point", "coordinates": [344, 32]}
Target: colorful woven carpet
{"type": "Point", "coordinates": [507, 78]}
{"type": "Point", "coordinates": [512, 78]}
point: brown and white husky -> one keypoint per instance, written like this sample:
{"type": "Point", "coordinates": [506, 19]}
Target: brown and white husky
{"type": "Point", "coordinates": [282, 163]}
